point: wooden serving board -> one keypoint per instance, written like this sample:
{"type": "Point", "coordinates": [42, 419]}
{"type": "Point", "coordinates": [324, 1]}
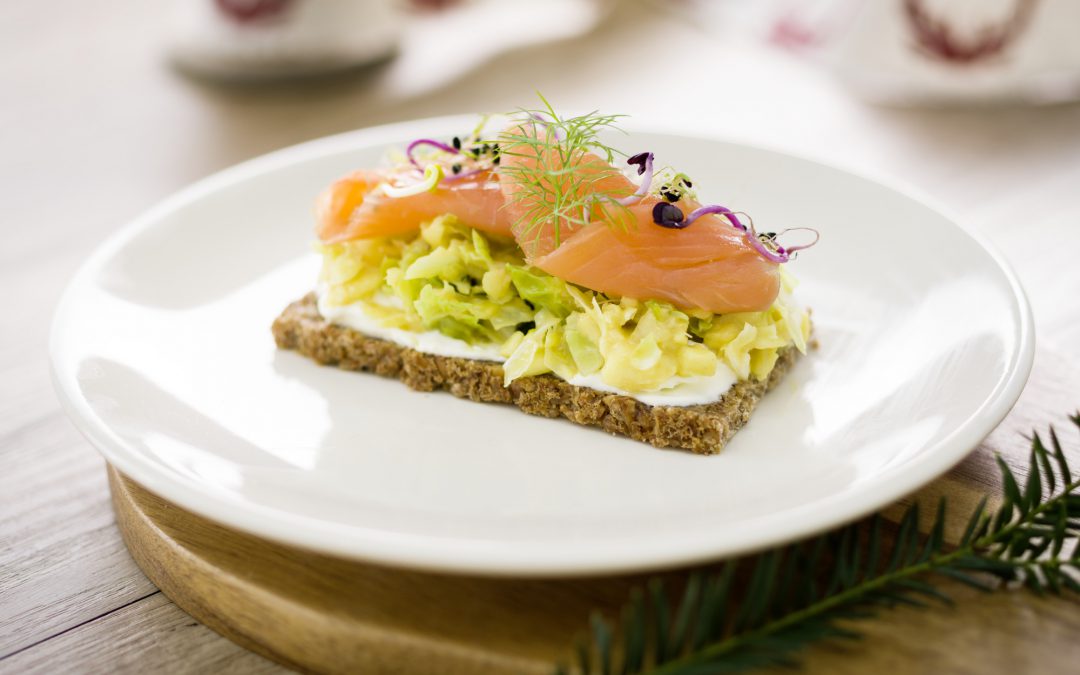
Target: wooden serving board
{"type": "Point", "coordinates": [316, 613]}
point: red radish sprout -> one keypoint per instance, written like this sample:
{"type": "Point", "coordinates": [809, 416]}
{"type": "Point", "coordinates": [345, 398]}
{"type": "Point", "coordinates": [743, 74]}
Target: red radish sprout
{"type": "Point", "coordinates": [431, 142]}
{"type": "Point", "coordinates": [644, 162]}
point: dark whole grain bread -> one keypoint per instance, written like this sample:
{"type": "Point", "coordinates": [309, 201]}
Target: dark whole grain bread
{"type": "Point", "coordinates": [703, 429]}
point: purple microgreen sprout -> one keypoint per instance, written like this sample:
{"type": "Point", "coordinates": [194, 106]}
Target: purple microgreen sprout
{"type": "Point", "coordinates": [763, 244]}
{"type": "Point", "coordinates": [716, 208]}
{"type": "Point", "coordinates": [677, 187]}
{"type": "Point", "coordinates": [458, 171]}
{"type": "Point", "coordinates": [644, 163]}
{"type": "Point", "coordinates": [800, 247]}
{"type": "Point", "coordinates": [429, 142]}
{"type": "Point", "coordinates": [669, 216]}
{"type": "Point", "coordinates": [433, 173]}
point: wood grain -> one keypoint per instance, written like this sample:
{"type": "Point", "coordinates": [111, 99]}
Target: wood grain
{"type": "Point", "coordinates": [317, 613]}
{"type": "Point", "coordinates": [61, 559]}
{"type": "Point", "coordinates": [149, 636]}
{"type": "Point", "coordinates": [97, 128]}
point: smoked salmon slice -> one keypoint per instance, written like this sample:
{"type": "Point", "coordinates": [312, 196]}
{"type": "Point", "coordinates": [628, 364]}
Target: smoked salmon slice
{"type": "Point", "coordinates": [620, 251]}
{"type": "Point", "coordinates": [708, 265]}
{"type": "Point", "coordinates": [353, 208]}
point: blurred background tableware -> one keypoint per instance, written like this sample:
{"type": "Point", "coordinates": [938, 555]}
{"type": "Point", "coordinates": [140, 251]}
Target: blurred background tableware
{"type": "Point", "coordinates": [109, 106]}
{"type": "Point", "coordinates": [940, 51]}
{"type": "Point", "coordinates": [261, 39]}
{"type": "Point", "coordinates": [245, 40]}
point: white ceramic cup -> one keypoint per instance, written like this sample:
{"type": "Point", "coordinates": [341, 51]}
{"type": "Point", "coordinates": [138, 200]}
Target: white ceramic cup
{"type": "Point", "coordinates": [938, 51]}
{"type": "Point", "coordinates": [261, 39]}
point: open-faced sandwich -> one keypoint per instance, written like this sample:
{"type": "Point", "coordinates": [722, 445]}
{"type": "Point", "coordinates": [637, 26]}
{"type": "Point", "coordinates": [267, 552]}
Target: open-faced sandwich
{"type": "Point", "coordinates": [525, 266]}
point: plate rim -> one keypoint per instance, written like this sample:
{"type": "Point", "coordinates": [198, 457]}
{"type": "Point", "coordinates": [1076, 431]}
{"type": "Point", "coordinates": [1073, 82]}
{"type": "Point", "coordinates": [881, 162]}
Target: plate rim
{"type": "Point", "coordinates": [469, 556]}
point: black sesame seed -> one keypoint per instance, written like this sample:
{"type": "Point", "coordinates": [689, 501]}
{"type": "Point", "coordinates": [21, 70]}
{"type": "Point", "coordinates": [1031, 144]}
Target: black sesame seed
{"type": "Point", "coordinates": [687, 183]}
{"type": "Point", "coordinates": [456, 143]}
{"type": "Point", "coordinates": [456, 168]}
{"type": "Point", "coordinates": [496, 160]}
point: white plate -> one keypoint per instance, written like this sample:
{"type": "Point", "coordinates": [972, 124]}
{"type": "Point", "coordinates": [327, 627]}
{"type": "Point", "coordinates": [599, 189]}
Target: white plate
{"type": "Point", "coordinates": [163, 357]}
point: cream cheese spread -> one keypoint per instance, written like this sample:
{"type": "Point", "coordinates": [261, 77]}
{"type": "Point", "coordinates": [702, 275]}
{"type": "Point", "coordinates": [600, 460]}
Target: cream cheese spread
{"type": "Point", "coordinates": [677, 391]}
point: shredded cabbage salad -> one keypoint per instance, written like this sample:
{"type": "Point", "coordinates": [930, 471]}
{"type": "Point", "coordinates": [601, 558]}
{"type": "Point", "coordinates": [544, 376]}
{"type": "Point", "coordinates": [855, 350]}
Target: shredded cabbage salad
{"type": "Point", "coordinates": [477, 288]}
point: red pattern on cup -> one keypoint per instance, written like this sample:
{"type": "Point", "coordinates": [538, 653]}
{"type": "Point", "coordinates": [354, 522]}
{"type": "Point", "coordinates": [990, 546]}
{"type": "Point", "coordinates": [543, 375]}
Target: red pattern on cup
{"type": "Point", "coordinates": [246, 11]}
{"type": "Point", "coordinates": [935, 38]}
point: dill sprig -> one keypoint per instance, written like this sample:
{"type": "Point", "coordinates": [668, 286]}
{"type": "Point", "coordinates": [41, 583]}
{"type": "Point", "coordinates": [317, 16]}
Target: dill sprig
{"type": "Point", "coordinates": [558, 189]}
{"type": "Point", "coordinates": [761, 611]}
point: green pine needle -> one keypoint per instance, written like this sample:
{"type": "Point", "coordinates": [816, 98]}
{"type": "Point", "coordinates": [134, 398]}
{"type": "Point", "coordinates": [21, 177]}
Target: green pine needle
{"type": "Point", "coordinates": [1030, 540]}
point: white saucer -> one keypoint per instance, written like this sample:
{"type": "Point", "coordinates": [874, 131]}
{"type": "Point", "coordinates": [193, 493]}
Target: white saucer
{"type": "Point", "coordinates": [163, 356]}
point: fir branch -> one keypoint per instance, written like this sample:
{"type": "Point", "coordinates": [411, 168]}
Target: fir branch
{"type": "Point", "coordinates": [819, 589]}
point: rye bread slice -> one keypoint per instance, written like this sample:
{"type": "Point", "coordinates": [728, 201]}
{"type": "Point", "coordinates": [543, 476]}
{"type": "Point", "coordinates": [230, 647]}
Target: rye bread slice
{"type": "Point", "coordinates": [703, 429]}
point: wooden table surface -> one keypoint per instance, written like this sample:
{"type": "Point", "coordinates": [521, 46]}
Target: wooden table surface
{"type": "Point", "coordinates": [96, 128]}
